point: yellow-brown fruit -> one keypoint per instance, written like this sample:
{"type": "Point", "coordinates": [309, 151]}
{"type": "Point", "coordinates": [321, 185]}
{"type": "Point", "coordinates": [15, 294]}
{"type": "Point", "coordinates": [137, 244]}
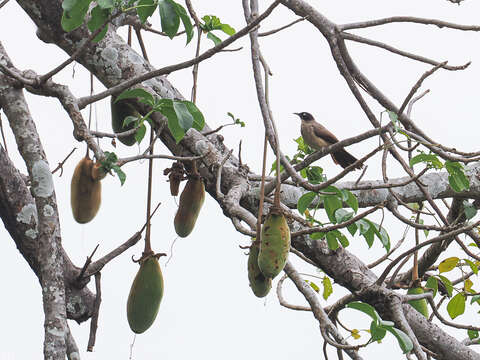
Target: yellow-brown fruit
{"type": "Point", "coordinates": [191, 201]}
{"type": "Point", "coordinates": [274, 244]}
{"type": "Point", "coordinates": [85, 192]}
{"type": "Point", "coordinates": [258, 282]}
{"type": "Point", "coordinates": [120, 110]}
{"type": "Point", "coordinates": [145, 295]}
{"type": "Point", "coordinates": [419, 305]}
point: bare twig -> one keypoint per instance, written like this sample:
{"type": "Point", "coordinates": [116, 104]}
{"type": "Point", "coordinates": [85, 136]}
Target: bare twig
{"type": "Point", "coordinates": [271, 32]}
{"type": "Point", "coordinates": [60, 164]}
{"type": "Point", "coordinates": [363, 40]}
{"type": "Point", "coordinates": [87, 263]}
{"type": "Point", "coordinates": [123, 161]}
{"type": "Point", "coordinates": [409, 19]}
{"type": "Point", "coordinates": [417, 86]}
{"type": "Point", "coordinates": [3, 3]}
{"type": "Point", "coordinates": [96, 310]}
{"type": "Point", "coordinates": [282, 300]}
{"type": "Point", "coordinates": [98, 265]}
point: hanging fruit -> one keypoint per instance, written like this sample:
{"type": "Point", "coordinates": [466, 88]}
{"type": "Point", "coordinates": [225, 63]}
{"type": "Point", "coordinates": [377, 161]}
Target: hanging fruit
{"type": "Point", "coordinates": [145, 295]}
{"type": "Point", "coordinates": [260, 284]}
{"type": "Point", "coordinates": [191, 201]}
{"type": "Point", "coordinates": [86, 190]}
{"type": "Point", "coordinates": [274, 243]}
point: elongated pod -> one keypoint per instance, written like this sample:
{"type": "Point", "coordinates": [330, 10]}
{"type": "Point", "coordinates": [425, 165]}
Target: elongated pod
{"type": "Point", "coordinates": [120, 110]}
{"type": "Point", "coordinates": [274, 244]}
{"type": "Point", "coordinates": [191, 201]}
{"type": "Point", "coordinates": [258, 282]}
{"type": "Point", "coordinates": [85, 191]}
{"type": "Point", "coordinates": [145, 295]}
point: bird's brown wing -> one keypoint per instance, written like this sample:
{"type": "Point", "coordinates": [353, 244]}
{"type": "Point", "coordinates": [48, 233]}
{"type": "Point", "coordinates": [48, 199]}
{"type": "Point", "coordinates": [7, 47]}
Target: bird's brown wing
{"type": "Point", "coordinates": [324, 134]}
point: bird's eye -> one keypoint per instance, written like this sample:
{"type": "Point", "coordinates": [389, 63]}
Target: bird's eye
{"type": "Point", "coordinates": [304, 115]}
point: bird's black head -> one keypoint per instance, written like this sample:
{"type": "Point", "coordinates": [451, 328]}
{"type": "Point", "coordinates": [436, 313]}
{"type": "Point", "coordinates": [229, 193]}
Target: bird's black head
{"type": "Point", "coordinates": [305, 116]}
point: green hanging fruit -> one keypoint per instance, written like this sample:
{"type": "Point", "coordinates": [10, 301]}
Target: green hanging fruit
{"type": "Point", "coordinates": [258, 282]}
{"type": "Point", "coordinates": [86, 190]}
{"type": "Point", "coordinates": [191, 201]}
{"type": "Point", "coordinates": [145, 295]}
{"type": "Point", "coordinates": [120, 110]}
{"type": "Point", "coordinates": [274, 244]}
{"type": "Point", "coordinates": [419, 305]}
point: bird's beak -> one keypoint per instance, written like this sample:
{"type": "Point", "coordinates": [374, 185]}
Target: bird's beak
{"type": "Point", "coordinates": [298, 114]}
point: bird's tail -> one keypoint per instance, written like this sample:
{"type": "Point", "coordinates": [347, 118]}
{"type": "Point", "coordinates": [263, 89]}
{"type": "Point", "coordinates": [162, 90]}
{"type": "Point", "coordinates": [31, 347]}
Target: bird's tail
{"type": "Point", "coordinates": [344, 158]}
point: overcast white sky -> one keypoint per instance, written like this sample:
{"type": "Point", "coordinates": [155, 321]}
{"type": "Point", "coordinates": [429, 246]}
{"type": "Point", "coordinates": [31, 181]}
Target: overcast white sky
{"type": "Point", "coordinates": [208, 310]}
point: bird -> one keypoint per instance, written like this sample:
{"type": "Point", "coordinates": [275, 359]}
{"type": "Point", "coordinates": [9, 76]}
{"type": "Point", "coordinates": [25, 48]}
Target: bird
{"type": "Point", "coordinates": [317, 137]}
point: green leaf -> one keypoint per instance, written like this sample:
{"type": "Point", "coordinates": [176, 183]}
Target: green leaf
{"type": "Point", "coordinates": [141, 94]}
{"type": "Point", "coordinates": [457, 178]}
{"type": "Point", "coordinates": [129, 119]}
{"type": "Point", "coordinates": [351, 201]}
{"type": "Point", "coordinates": [475, 298]}
{"type": "Point", "coordinates": [352, 228]}
{"type": "Point", "coordinates": [432, 283]}
{"type": "Point", "coordinates": [332, 240]}
{"type": "Point", "coordinates": [315, 174]}
{"type": "Point", "coordinates": [187, 23]}
{"type": "Point", "coordinates": [456, 306]}
{"type": "Point", "coordinates": [431, 160]}
{"type": "Point", "coordinates": [227, 29]}
{"type": "Point", "coordinates": [73, 18]}
{"type": "Point", "coordinates": [109, 163]}
{"type": "Point", "coordinates": [467, 285]}
{"type": "Point", "coordinates": [317, 235]}
{"type": "Point", "coordinates": [304, 201]}
{"type": "Point", "coordinates": [273, 169]}
{"type": "Point", "coordinates": [382, 236]}
{"type": "Point", "coordinates": [106, 4]}
{"type": "Point", "coordinates": [331, 203]}
{"type": "Point", "coordinates": [448, 264]}
{"type": "Point", "coordinates": [363, 225]}
{"type": "Point", "coordinates": [185, 119]}
{"type": "Point", "coordinates": [365, 308]}
{"type": "Point", "coordinates": [198, 119]}
{"type": "Point", "coordinates": [68, 5]}
{"type": "Point", "coordinates": [403, 340]}
{"type": "Point", "coordinates": [98, 18]}
{"type": "Point", "coordinates": [472, 334]}
{"type": "Point", "coordinates": [343, 239]}
{"type": "Point", "coordinates": [121, 175]}
{"type": "Point", "coordinates": [327, 287]}
{"type": "Point", "coordinates": [342, 215]}
{"type": "Point", "coordinates": [472, 266]}
{"type": "Point", "coordinates": [447, 283]}
{"type": "Point", "coordinates": [140, 133]}
{"type": "Point", "coordinates": [168, 17]}
{"type": "Point", "coordinates": [377, 332]}
{"type": "Point", "coordinates": [216, 40]}
{"type": "Point", "coordinates": [313, 286]}
{"type": "Point", "coordinates": [145, 9]}
{"type": "Point", "coordinates": [469, 210]}
{"type": "Point", "coordinates": [394, 118]}
{"type": "Point", "coordinates": [177, 132]}
{"type": "Point", "coordinates": [366, 230]}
